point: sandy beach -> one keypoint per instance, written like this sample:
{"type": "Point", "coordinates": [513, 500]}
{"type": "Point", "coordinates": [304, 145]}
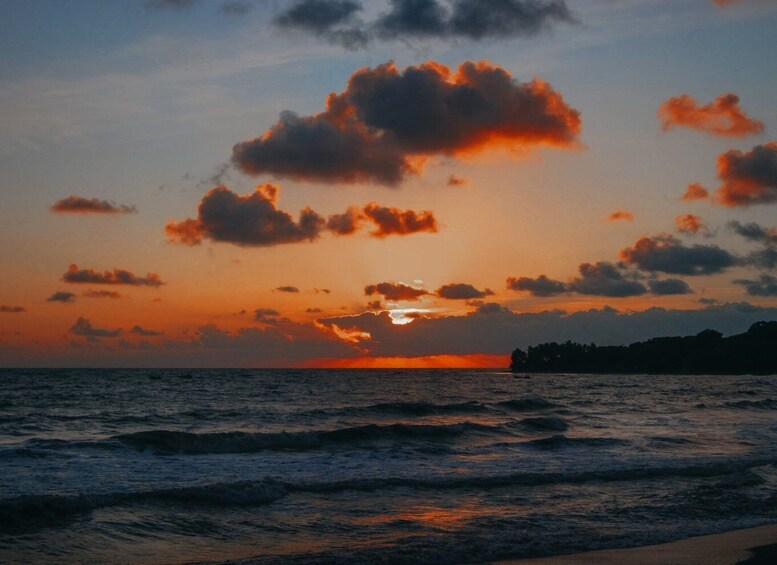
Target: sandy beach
{"type": "Point", "coordinates": [752, 546]}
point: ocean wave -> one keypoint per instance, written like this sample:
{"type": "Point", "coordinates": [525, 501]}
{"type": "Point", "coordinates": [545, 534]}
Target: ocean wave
{"type": "Point", "coordinates": [527, 404]}
{"type": "Point", "coordinates": [169, 442]}
{"type": "Point", "coordinates": [763, 404]}
{"type": "Point", "coordinates": [545, 423]}
{"type": "Point", "coordinates": [560, 441]}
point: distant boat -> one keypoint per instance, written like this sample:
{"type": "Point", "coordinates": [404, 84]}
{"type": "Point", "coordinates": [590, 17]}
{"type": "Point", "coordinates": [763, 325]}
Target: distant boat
{"type": "Point", "coordinates": [521, 376]}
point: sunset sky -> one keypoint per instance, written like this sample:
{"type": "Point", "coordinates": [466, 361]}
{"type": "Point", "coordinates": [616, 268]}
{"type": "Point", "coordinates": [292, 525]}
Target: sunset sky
{"type": "Point", "coordinates": [359, 183]}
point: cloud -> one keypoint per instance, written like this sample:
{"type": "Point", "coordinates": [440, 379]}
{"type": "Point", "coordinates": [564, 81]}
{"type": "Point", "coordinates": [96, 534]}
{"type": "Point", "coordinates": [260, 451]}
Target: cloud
{"type": "Point", "coordinates": [666, 254]}
{"type": "Point", "coordinates": [765, 285]}
{"type": "Point", "coordinates": [374, 305]}
{"type": "Point", "coordinates": [287, 288]}
{"type": "Point", "coordinates": [454, 180]}
{"type": "Point", "coordinates": [462, 291]}
{"type": "Point", "coordinates": [499, 330]}
{"type": "Point", "coordinates": [669, 286]}
{"type": "Point", "coordinates": [755, 232]}
{"type": "Point", "coordinates": [473, 20]}
{"type": "Point", "coordinates": [84, 327]}
{"type": "Point", "coordinates": [313, 310]}
{"type": "Point", "coordinates": [387, 121]}
{"type": "Point", "coordinates": [621, 215]}
{"type": "Point", "coordinates": [117, 276]}
{"type": "Point", "coordinates": [79, 205]}
{"type": "Point", "coordinates": [266, 315]}
{"type": "Point", "coordinates": [173, 4]}
{"type": "Point", "coordinates": [255, 220]}
{"type": "Point", "coordinates": [332, 20]}
{"type": "Point", "coordinates": [695, 191]}
{"type": "Point", "coordinates": [604, 279]}
{"type": "Point", "coordinates": [61, 296]}
{"type": "Point", "coordinates": [723, 117]}
{"type": "Point", "coordinates": [748, 178]}
{"type": "Point", "coordinates": [101, 294]}
{"type": "Point", "coordinates": [541, 286]}
{"type": "Point", "coordinates": [142, 331]}
{"type": "Point", "coordinates": [12, 309]}
{"type": "Point", "coordinates": [250, 220]}
{"type": "Point", "coordinates": [393, 221]}
{"type": "Point", "coordinates": [395, 291]}
{"type": "Point", "coordinates": [690, 224]}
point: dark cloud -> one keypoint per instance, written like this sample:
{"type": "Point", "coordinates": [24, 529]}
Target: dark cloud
{"type": "Point", "coordinates": [690, 224]}
{"type": "Point", "coordinates": [395, 291]}
{"type": "Point", "coordinates": [604, 279]}
{"type": "Point", "coordinates": [723, 117]}
{"type": "Point", "coordinates": [765, 285]}
{"type": "Point", "coordinates": [144, 332]}
{"type": "Point", "coordinates": [541, 286]}
{"type": "Point", "coordinates": [266, 315]}
{"type": "Point", "coordinates": [255, 220]}
{"type": "Point", "coordinates": [695, 191]}
{"type": "Point", "coordinates": [755, 232]}
{"type": "Point", "coordinates": [462, 291]}
{"type": "Point", "coordinates": [332, 20]}
{"type": "Point", "coordinates": [666, 254]}
{"type": "Point", "coordinates": [287, 288]}
{"type": "Point", "coordinates": [380, 127]}
{"type": "Point", "coordinates": [250, 220]}
{"type": "Point", "coordinates": [479, 19]}
{"type": "Point", "coordinates": [393, 221]}
{"type": "Point", "coordinates": [413, 18]}
{"type": "Point", "coordinates": [501, 331]}
{"type": "Point", "coordinates": [101, 294]}
{"type": "Point", "coordinates": [748, 178]}
{"type": "Point", "coordinates": [117, 276]}
{"type": "Point", "coordinates": [454, 180]}
{"type": "Point", "coordinates": [374, 305]}
{"type": "Point", "coordinates": [61, 296]}
{"type": "Point", "coordinates": [621, 215]}
{"type": "Point", "coordinates": [12, 309]}
{"type": "Point", "coordinates": [79, 205]}
{"type": "Point", "coordinates": [707, 301]}
{"type": "Point", "coordinates": [84, 328]}
{"type": "Point", "coordinates": [669, 286]}
{"type": "Point", "coordinates": [313, 310]}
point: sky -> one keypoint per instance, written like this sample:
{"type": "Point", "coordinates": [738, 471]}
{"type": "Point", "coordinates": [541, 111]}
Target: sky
{"type": "Point", "coordinates": [380, 183]}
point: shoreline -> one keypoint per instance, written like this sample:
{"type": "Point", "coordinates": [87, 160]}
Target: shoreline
{"type": "Point", "coordinates": [749, 546]}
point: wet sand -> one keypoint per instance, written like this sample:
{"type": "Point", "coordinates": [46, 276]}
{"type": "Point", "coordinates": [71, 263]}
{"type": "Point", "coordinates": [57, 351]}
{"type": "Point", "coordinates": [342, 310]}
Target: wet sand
{"type": "Point", "coordinates": [753, 546]}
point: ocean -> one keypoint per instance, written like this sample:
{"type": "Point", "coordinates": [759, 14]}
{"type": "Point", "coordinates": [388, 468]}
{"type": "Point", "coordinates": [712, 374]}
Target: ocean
{"type": "Point", "coordinates": [379, 466]}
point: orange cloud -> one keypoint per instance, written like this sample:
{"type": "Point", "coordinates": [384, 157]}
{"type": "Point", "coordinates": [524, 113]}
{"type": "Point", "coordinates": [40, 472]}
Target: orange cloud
{"type": "Point", "coordinates": [387, 121]}
{"type": "Point", "coordinates": [621, 215]}
{"type": "Point", "coordinates": [695, 191]}
{"type": "Point", "coordinates": [689, 223]}
{"type": "Point", "coordinates": [748, 178]}
{"type": "Point", "coordinates": [79, 205]}
{"type": "Point", "coordinates": [723, 117]}
{"type": "Point", "coordinates": [393, 221]}
{"type": "Point", "coordinates": [117, 276]}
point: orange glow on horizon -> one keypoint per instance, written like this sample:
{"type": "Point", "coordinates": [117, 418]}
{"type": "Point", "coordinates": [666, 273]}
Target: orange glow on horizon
{"type": "Point", "coordinates": [470, 361]}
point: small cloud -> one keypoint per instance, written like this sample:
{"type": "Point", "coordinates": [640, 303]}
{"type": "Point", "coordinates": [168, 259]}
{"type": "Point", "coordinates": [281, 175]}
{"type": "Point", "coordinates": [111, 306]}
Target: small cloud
{"type": "Point", "coordinates": [723, 117]}
{"type": "Point", "coordinates": [314, 310]}
{"type": "Point", "coordinates": [669, 287]}
{"type": "Point", "coordinates": [101, 294]}
{"type": "Point", "coordinates": [690, 224]}
{"type": "Point", "coordinates": [172, 4]}
{"type": "Point", "coordinates": [12, 309]}
{"type": "Point", "coordinates": [620, 215]}
{"type": "Point", "coordinates": [84, 328]}
{"type": "Point", "coordinates": [266, 315]}
{"type": "Point", "coordinates": [142, 331]}
{"type": "Point", "coordinates": [287, 288]}
{"type": "Point", "coordinates": [695, 191]}
{"type": "Point", "coordinates": [765, 285]}
{"type": "Point", "coordinates": [707, 301]}
{"type": "Point", "coordinates": [541, 286]}
{"type": "Point", "coordinates": [117, 276]}
{"type": "Point", "coordinates": [454, 180]}
{"type": "Point", "coordinates": [66, 297]}
{"type": "Point", "coordinates": [395, 291]}
{"type": "Point", "coordinates": [374, 305]}
{"type": "Point", "coordinates": [462, 291]}
{"type": "Point", "coordinates": [605, 279]}
{"type": "Point", "coordinates": [79, 205]}
{"type": "Point", "coordinates": [324, 290]}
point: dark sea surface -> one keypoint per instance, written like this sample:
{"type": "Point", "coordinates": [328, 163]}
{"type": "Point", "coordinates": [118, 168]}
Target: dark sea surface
{"type": "Point", "coordinates": [400, 466]}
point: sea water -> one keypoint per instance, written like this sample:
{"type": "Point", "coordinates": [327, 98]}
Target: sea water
{"type": "Point", "coordinates": [382, 466]}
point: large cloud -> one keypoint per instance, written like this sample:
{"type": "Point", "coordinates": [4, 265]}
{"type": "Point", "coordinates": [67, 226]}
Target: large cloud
{"type": "Point", "coordinates": [723, 117]}
{"type": "Point", "coordinates": [462, 291]}
{"type": "Point", "coordinates": [668, 287]}
{"type": "Point", "coordinates": [497, 331]}
{"type": "Point", "coordinates": [604, 279]}
{"type": "Point", "coordinates": [666, 254]}
{"type": "Point", "coordinates": [117, 276]}
{"type": "Point", "coordinates": [395, 291]}
{"type": "Point", "coordinates": [748, 178]}
{"type": "Point", "coordinates": [79, 205]}
{"type": "Point", "coordinates": [255, 220]}
{"type": "Point", "coordinates": [386, 121]}
{"type": "Point", "coordinates": [334, 20]}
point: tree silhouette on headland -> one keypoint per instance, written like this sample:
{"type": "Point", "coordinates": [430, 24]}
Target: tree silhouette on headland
{"type": "Point", "coordinates": [708, 352]}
